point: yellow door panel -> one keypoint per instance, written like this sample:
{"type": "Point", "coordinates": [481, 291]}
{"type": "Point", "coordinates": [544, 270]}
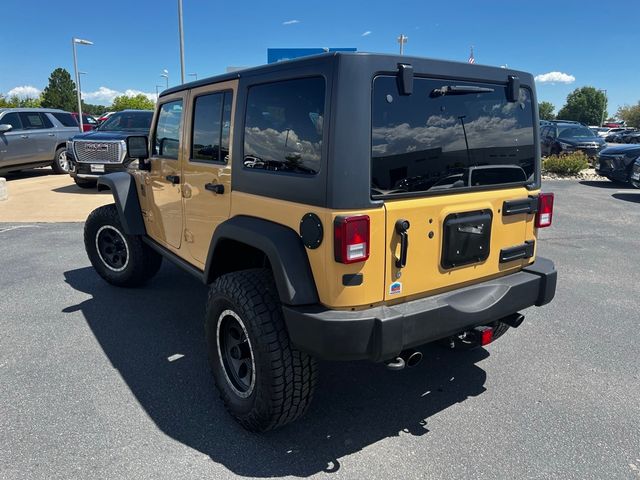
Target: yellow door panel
{"type": "Point", "coordinates": [207, 165]}
{"type": "Point", "coordinates": [162, 183]}
{"type": "Point", "coordinates": [424, 273]}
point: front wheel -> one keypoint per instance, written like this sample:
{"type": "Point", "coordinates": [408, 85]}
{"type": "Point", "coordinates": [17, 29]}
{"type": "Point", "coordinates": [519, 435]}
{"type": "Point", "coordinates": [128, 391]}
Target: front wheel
{"type": "Point", "coordinates": [263, 380]}
{"type": "Point", "coordinates": [121, 259]}
{"type": "Point", "coordinates": [60, 163]}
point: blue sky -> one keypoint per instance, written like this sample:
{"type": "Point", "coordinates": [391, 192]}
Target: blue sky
{"type": "Point", "coordinates": [595, 43]}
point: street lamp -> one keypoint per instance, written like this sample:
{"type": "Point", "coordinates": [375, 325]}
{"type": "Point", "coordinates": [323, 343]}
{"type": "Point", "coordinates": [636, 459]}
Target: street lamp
{"type": "Point", "coordinates": [604, 105]}
{"type": "Point", "coordinates": [193, 75]}
{"type": "Point", "coordinates": [402, 39]}
{"type": "Point", "coordinates": [78, 41]}
{"type": "Point", "coordinates": [157, 93]}
{"type": "Point", "coordinates": [165, 74]}
{"type": "Point", "coordinates": [80, 90]}
{"type": "Point", "coordinates": [181, 34]}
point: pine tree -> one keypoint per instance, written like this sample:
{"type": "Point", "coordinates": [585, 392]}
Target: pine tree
{"type": "Point", "coordinates": [61, 91]}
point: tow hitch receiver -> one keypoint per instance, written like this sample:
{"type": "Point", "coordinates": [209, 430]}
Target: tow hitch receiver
{"type": "Point", "coordinates": [476, 337]}
{"type": "Point", "coordinates": [484, 335]}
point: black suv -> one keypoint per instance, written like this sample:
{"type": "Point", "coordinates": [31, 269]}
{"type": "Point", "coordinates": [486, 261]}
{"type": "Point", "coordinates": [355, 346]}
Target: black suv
{"type": "Point", "coordinates": [104, 150]}
{"type": "Point", "coordinates": [567, 137]}
{"type": "Point", "coordinates": [617, 163]}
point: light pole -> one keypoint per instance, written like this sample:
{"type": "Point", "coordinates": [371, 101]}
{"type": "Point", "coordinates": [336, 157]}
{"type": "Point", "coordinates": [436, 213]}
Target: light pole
{"type": "Point", "coordinates": [181, 33]}
{"type": "Point", "coordinates": [80, 90]}
{"type": "Point", "coordinates": [193, 75]}
{"type": "Point", "coordinates": [158, 94]}
{"type": "Point", "coordinates": [604, 105]}
{"type": "Point", "coordinates": [78, 41]}
{"type": "Point", "coordinates": [165, 74]}
{"type": "Point", "coordinates": [402, 39]}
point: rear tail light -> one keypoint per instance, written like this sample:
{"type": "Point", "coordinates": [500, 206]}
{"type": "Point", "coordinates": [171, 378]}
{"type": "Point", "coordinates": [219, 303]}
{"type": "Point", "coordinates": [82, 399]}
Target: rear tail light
{"type": "Point", "coordinates": [545, 210]}
{"type": "Point", "coordinates": [351, 239]}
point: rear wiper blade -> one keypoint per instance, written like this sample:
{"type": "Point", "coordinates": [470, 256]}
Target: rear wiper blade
{"type": "Point", "coordinates": [458, 90]}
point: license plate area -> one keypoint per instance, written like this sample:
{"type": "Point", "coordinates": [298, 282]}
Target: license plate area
{"type": "Point", "coordinates": [466, 238]}
{"type": "Point", "coordinates": [97, 168]}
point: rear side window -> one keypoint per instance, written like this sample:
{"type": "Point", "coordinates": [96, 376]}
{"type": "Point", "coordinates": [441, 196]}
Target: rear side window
{"type": "Point", "coordinates": [12, 119]}
{"type": "Point", "coordinates": [284, 125]}
{"type": "Point", "coordinates": [449, 135]}
{"type": "Point", "coordinates": [35, 120]}
{"type": "Point", "coordinates": [65, 119]}
{"type": "Point", "coordinates": [166, 141]}
{"type": "Point", "coordinates": [211, 126]}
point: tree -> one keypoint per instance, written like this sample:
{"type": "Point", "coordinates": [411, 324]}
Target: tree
{"type": "Point", "coordinates": [91, 109]}
{"type": "Point", "coordinates": [545, 110]}
{"type": "Point", "coordinates": [587, 105]}
{"type": "Point", "coordinates": [630, 114]}
{"type": "Point", "coordinates": [136, 102]}
{"type": "Point", "coordinates": [61, 91]}
{"type": "Point", "coordinates": [15, 101]}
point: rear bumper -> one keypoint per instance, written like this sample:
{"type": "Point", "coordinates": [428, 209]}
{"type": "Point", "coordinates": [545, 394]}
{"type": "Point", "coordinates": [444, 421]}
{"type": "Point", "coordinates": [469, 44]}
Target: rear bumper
{"type": "Point", "coordinates": [381, 333]}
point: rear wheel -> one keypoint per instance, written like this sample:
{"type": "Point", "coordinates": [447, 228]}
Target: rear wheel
{"type": "Point", "coordinates": [263, 380]}
{"type": "Point", "coordinates": [121, 259]}
{"type": "Point", "coordinates": [60, 163]}
{"type": "Point", "coordinates": [84, 183]}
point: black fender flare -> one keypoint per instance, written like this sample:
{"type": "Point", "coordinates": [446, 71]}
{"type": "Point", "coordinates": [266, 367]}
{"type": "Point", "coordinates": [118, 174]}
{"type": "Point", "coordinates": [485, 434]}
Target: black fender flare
{"type": "Point", "coordinates": [283, 248]}
{"type": "Point", "coordinates": [125, 194]}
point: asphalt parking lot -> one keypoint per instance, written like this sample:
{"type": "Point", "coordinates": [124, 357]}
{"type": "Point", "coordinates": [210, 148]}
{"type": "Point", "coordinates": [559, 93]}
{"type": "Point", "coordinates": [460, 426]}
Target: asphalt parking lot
{"type": "Point", "coordinates": [92, 386]}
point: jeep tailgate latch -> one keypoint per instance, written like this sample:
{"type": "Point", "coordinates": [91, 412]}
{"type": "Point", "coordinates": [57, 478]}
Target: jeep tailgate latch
{"type": "Point", "coordinates": [401, 229]}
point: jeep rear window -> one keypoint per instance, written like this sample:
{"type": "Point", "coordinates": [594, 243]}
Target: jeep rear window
{"type": "Point", "coordinates": [449, 135]}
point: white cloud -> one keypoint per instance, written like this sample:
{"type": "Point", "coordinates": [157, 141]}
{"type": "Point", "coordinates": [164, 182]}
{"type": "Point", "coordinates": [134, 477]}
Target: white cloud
{"type": "Point", "coordinates": [24, 91]}
{"type": "Point", "coordinates": [555, 77]}
{"type": "Point", "coordinates": [367, 33]}
{"type": "Point", "coordinates": [291, 22]}
{"type": "Point", "coordinates": [105, 95]}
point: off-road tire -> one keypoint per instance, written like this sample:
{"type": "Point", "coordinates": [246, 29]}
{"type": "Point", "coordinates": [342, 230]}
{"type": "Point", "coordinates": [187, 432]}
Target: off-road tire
{"type": "Point", "coordinates": [84, 183]}
{"type": "Point", "coordinates": [140, 262]}
{"type": "Point", "coordinates": [58, 169]}
{"type": "Point", "coordinates": [285, 378]}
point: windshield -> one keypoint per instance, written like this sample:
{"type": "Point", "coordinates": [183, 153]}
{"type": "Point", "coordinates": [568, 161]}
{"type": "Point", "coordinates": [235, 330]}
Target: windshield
{"type": "Point", "coordinates": [432, 141]}
{"type": "Point", "coordinates": [575, 132]}
{"type": "Point", "coordinates": [129, 121]}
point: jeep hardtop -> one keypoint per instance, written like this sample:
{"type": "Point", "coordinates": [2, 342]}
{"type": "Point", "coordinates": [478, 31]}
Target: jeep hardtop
{"type": "Point", "coordinates": [343, 206]}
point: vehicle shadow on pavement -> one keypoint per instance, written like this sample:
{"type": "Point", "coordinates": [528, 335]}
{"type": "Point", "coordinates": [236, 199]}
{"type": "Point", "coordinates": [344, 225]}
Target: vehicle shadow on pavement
{"type": "Point", "coordinates": [627, 197]}
{"type": "Point", "coordinates": [356, 404]}
{"type": "Point", "coordinates": [31, 173]}
{"type": "Point", "coordinates": [604, 183]}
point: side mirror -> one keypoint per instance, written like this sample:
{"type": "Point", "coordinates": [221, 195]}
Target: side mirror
{"type": "Point", "coordinates": [138, 147]}
{"type": "Point", "coordinates": [5, 127]}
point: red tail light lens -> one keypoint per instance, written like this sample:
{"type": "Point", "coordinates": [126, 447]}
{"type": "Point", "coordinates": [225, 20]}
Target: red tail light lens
{"type": "Point", "coordinates": [545, 210]}
{"type": "Point", "coordinates": [351, 239]}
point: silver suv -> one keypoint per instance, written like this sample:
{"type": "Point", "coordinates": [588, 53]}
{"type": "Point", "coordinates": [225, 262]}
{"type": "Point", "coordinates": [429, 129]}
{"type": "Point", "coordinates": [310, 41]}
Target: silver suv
{"type": "Point", "coordinates": [35, 137]}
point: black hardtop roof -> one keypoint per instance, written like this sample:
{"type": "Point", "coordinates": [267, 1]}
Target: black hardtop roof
{"type": "Point", "coordinates": [323, 58]}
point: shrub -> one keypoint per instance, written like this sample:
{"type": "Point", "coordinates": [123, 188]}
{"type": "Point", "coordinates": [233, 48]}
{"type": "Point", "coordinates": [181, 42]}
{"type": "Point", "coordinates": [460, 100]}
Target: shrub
{"type": "Point", "coordinates": [569, 164]}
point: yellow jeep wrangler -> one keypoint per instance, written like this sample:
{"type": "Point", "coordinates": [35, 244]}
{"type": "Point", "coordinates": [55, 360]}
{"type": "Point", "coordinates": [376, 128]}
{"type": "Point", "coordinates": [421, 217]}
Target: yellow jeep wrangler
{"type": "Point", "coordinates": [342, 207]}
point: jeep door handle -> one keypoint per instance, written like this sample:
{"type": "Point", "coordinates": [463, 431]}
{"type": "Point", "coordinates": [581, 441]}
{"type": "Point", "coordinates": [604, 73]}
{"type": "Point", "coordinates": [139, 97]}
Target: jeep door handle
{"type": "Point", "coordinates": [51, 134]}
{"type": "Point", "coordinates": [214, 187]}
{"type": "Point", "coordinates": [24, 136]}
{"type": "Point", "coordinates": [174, 179]}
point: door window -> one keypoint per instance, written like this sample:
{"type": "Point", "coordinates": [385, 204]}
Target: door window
{"type": "Point", "coordinates": [35, 120]}
{"type": "Point", "coordinates": [211, 127]}
{"type": "Point", "coordinates": [12, 119]}
{"type": "Point", "coordinates": [166, 141]}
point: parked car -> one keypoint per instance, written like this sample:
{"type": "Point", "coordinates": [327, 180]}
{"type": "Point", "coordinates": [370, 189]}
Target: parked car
{"type": "Point", "coordinates": [616, 135]}
{"type": "Point", "coordinates": [88, 122]}
{"type": "Point", "coordinates": [630, 136]}
{"type": "Point", "coordinates": [104, 116]}
{"type": "Point", "coordinates": [104, 149]}
{"type": "Point", "coordinates": [600, 131]}
{"type": "Point", "coordinates": [410, 214]}
{"type": "Point", "coordinates": [617, 162]}
{"type": "Point", "coordinates": [635, 174]}
{"type": "Point", "coordinates": [566, 137]}
{"type": "Point", "coordinates": [35, 137]}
